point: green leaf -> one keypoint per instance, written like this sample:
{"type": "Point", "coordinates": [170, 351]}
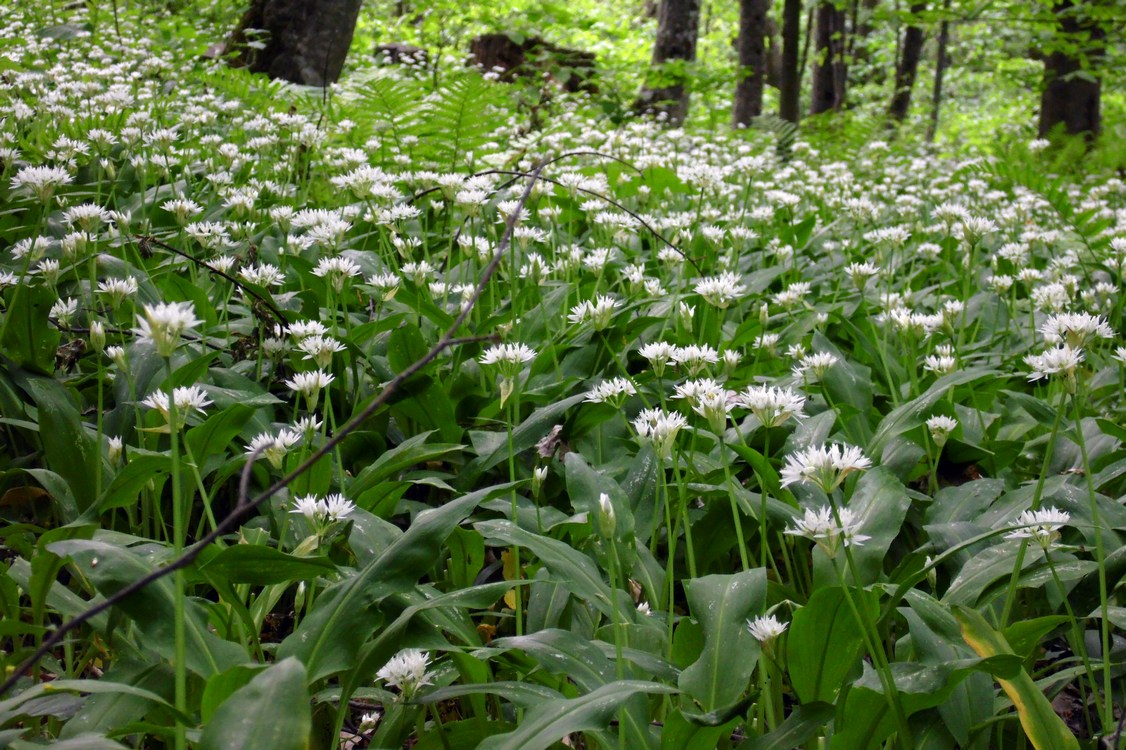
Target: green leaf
{"type": "Point", "coordinates": [879, 502]}
{"type": "Point", "coordinates": [523, 694]}
{"type": "Point", "coordinates": [110, 568]}
{"type": "Point", "coordinates": [272, 711]}
{"type": "Point", "coordinates": [69, 449]}
{"type": "Point", "coordinates": [825, 641]}
{"type": "Point", "coordinates": [570, 567]}
{"type": "Point", "coordinates": [802, 725]}
{"type": "Point", "coordinates": [223, 686]}
{"type": "Point", "coordinates": [29, 338]}
{"type": "Point", "coordinates": [125, 489]}
{"type": "Point", "coordinates": [722, 604]}
{"type": "Point", "coordinates": [260, 565]}
{"type": "Point", "coordinates": [548, 723]}
{"type": "Point", "coordinates": [406, 454]}
{"type": "Point", "coordinates": [211, 439]}
{"type": "Point", "coordinates": [1044, 728]}
{"type": "Point", "coordinates": [530, 431]}
{"type": "Point", "coordinates": [329, 638]}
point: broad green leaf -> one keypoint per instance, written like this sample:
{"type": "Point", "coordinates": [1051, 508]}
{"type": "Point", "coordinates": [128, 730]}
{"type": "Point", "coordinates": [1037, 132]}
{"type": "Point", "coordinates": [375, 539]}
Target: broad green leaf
{"type": "Point", "coordinates": [824, 642]}
{"type": "Point", "coordinates": [1044, 728]}
{"type": "Point", "coordinates": [722, 604]}
{"type": "Point", "coordinates": [210, 441]}
{"type": "Point", "coordinates": [110, 568]}
{"type": "Point", "coordinates": [523, 694]}
{"type": "Point", "coordinates": [527, 434]}
{"type": "Point", "coordinates": [261, 565]}
{"type": "Point", "coordinates": [125, 489]}
{"type": "Point", "coordinates": [102, 712]}
{"type": "Point", "coordinates": [570, 567]}
{"type": "Point", "coordinates": [412, 451]}
{"type": "Point", "coordinates": [548, 723]}
{"type": "Point", "coordinates": [802, 725]}
{"type": "Point", "coordinates": [29, 338]}
{"type": "Point", "coordinates": [329, 638]}
{"type": "Point", "coordinates": [272, 711]}
{"type": "Point", "coordinates": [69, 448]}
{"type": "Point", "coordinates": [880, 503]}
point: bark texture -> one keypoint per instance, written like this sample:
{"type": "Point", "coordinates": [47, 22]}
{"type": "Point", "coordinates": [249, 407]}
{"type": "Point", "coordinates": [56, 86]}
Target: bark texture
{"type": "Point", "coordinates": [828, 92]}
{"type": "Point", "coordinates": [907, 67]}
{"type": "Point", "coordinates": [1072, 88]}
{"type": "Point", "coordinates": [939, 71]}
{"type": "Point", "coordinates": [751, 46]}
{"type": "Point", "coordinates": [789, 97]}
{"type": "Point", "coordinates": [306, 41]}
{"type": "Point", "coordinates": [678, 26]}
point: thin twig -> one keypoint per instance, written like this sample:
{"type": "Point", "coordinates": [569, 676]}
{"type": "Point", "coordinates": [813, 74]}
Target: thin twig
{"type": "Point", "coordinates": [245, 506]}
{"type": "Point", "coordinates": [144, 239]}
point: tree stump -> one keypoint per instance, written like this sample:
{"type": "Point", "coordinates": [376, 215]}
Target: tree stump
{"type": "Point", "coordinates": [532, 57]}
{"type": "Point", "coordinates": [301, 41]}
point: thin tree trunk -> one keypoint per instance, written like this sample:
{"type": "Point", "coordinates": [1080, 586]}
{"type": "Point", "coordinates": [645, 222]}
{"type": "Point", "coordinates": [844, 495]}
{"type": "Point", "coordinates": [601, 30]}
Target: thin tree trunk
{"type": "Point", "coordinates": [1072, 89]}
{"type": "Point", "coordinates": [790, 90]}
{"type": "Point", "coordinates": [306, 40]}
{"type": "Point", "coordinates": [907, 67]}
{"type": "Point", "coordinates": [678, 25]}
{"type": "Point", "coordinates": [752, 61]}
{"type": "Point", "coordinates": [939, 70]}
{"type": "Point", "coordinates": [828, 60]}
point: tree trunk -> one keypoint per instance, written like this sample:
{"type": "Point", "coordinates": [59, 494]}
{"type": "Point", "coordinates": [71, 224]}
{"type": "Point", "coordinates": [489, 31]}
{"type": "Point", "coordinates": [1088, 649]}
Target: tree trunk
{"type": "Point", "coordinates": [907, 67]}
{"type": "Point", "coordinates": [828, 60]}
{"type": "Point", "coordinates": [306, 41]}
{"type": "Point", "coordinates": [1071, 88]}
{"type": "Point", "coordinates": [790, 85]}
{"type": "Point", "coordinates": [939, 70]}
{"type": "Point", "coordinates": [752, 61]}
{"type": "Point", "coordinates": [678, 25]}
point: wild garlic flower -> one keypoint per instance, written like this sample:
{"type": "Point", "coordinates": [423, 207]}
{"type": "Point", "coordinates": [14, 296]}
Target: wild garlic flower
{"type": "Point", "coordinates": [822, 527]}
{"type": "Point", "coordinates": [766, 629]}
{"type": "Point", "coordinates": [709, 399]}
{"type": "Point", "coordinates": [309, 385]}
{"type": "Point", "coordinates": [814, 366]}
{"type": "Point", "coordinates": [824, 467]}
{"type": "Point", "coordinates": [1063, 360]}
{"type": "Point", "coordinates": [63, 311]}
{"type": "Point", "coordinates": [509, 360]}
{"type": "Point", "coordinates": [606, 517]}
{"type": "Point", "coordinates": [1042, 526]}
{"type": "Point", "coordinates": [694, 357]}
{"type": "Point", "coordinates": [164, 323]}
{"type": "Point", "coordinates": [323, 512]}
{"type": "Point", "coordinates": [319, 349]}
{"type": "Point", "coordinates": [86, 216]}
{"type": "Point", "coordinates": [305, 328]}
{"type": "Point", "coordinates": [721, 290]}
{"type": "Point", "coordinates": [598, 313]}
{"type": "Point", "coordinates": [772, 406]}
{"type": "Point", "coordinates": [860, 273]}
{"type": "Point", "coordinates": [659, 354]}
{"type": "Point", "coordinates": [337, 271]}
{"type": "Point", "coordinates": [940, 427]}
{"type": "Point", "coordinates": [406, 671]}
{"type": "Point", "coordinates": [613, 392]}
{"type": "Point", "coordinates": [42, 182]}
{"type": "Point", "coordinates": [942, 362]}
{"type": "Point", "coordinates": [659, 428]}
{"type": "Point", "coordinates": [1075, 329]}
{"type": "Point", "coordinates": [274, 447]}
{"type": "Point", "coordinates": [186, 400]}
